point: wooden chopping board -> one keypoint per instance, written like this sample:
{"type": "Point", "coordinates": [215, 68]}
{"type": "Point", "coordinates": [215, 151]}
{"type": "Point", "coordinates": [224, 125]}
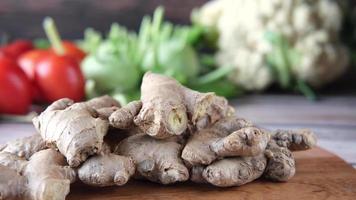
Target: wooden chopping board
{"type": "Point", "coordinates": [320, 175]}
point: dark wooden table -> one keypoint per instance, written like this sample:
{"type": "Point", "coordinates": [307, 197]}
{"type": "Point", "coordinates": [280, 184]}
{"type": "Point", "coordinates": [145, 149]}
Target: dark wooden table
{"type": "Point", "coordinates": [333, 119]}
{"type": "Point", "coordinates": [320, 175]}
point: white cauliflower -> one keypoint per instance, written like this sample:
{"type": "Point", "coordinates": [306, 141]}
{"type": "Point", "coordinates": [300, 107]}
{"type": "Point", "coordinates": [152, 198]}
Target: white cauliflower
{"type": "Point", "coordinates": [311, 28]}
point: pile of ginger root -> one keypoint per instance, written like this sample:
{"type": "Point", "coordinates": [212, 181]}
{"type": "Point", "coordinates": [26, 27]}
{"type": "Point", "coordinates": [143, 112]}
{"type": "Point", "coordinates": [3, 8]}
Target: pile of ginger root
{"type": "Point", "coordinates": [172, 134]}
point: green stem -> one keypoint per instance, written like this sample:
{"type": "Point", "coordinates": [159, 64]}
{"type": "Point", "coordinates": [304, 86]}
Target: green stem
{"type": "Point", "coordinates": [306, 90]}
{"type": "Point", "coordinates": [214, 75]}
{"type": "Point", "coordinates": [156, 24]}
{"type": "Point", "coordinates": [207, 60]}
{"type": "Point", "coordinates": [53, 36]}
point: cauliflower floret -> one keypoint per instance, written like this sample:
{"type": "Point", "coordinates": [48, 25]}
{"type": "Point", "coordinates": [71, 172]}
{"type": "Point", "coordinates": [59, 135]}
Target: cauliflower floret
{"type": "Point", "coordinates": [211, 13]}
{"type": "Point", "coordinates": [310, 27]}
{"type": "Point", "coordinates": [254, 77]}
{"type": "Point", "coordinates": [322, 61]}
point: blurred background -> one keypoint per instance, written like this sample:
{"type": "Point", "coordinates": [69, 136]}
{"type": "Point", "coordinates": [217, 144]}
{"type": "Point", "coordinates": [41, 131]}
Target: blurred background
{"type": "Point", "coordinates": [283, 63]}
{"type": "Point", "coordinates": [73, 17]}
{"type": "Point", "coordinates": [23, 19]}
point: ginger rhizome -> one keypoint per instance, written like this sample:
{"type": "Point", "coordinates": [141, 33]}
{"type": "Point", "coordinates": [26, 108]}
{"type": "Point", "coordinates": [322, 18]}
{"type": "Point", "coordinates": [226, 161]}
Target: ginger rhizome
{"type": "Point", "coordinates": [281, 164]}
{"type": "Point", "coordinates": [106, 169]}
{"type": "Point", "coordinates": [275, 162]}
{"type": "Point", "coordinates": [45, 176]}
{"type": "Point", "coordinates": [15, 154]}
{"type": "Point", "coordinates": [163, 111]}
{"type": "Point", "coordinates": [13, 161]}
{"type": "Point", "coordinates": [123, 118]}
{"type": "Point", "coordinates": [228, 137]}
{"type": "Point", "coordinates": [25, 147]}
{"type": "Point", "coordinates": [52, 179]}
{"type": "Point", "coordinates": [172, 134]}
{"type": "Point", "coordinates": [12, 184]}
{"type": "Point", "coordinates": [298, 140]}
{"type": "Point", "coordinates": [104, 106]}
{"type": "Point", "coordinates": [235, 171]}
{"type": "Point", "coordinates": [168, 107]}
{"type": "Point", "coordinates": [156, 160]}
{"type": "Point", "coordinates": [74, 128]}
{"type": "Point", "coordinates": [205, 109]}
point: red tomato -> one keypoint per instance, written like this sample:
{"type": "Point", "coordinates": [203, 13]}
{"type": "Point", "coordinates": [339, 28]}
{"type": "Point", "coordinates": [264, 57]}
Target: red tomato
{"type": "Point", "coordinates": [58, 77]}
{"type": "Point", "coordinates": [15, 88]}
{"type": "Point", "coordinates": [28, 61]}
{"type": "Point", "coordinates": [73, 51]}
{"type": "Point", "coordinates": [17, 48]}
{"type": "Point", "coordinates": [3, 53]}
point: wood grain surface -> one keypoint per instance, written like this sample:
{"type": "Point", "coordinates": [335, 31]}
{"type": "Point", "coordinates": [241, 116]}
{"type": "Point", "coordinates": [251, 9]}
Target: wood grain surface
{"type": "Point", "coordinates": [320, 175]}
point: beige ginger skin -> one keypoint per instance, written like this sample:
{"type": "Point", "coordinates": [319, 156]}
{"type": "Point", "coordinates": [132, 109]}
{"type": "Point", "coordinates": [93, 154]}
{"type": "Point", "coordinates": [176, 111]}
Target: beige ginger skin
{"type": "Point", "coordinates": [235, 171]}
{"type": "Point", "coordinates": [275, 162]}
{"type": "Point", "coordinates": [205, 109]}
{"type": "Point", "coordinates": [163, 112]}
{"type": "Point", "coordinates": [51, 182]}
{"type": "Point", "coordinates": [13, 161]}
{"type": "Point", "coordinates": [74, 128]}
{"type": "Point", "coordinates": [12, 184]}
{"type": "Point", "coordinates": [15, 154]}
{"type": "Point", "coordinates": [106, 169]}
{"type": "Point", "coordinates": [123, 118]}
{"type": "Point", "coordinates": [168, 107]}
{"type": "Point", "coordinates": [156, 160]}
{"type": "Point", "coordinates": [45, 176]}
{"type": "Point", "coordinates": [102, 102]}
{"type": "Point", "coordinates": [228, 137]}
{"type": "Point", "coordinates": [25, 147]}
{"type": "Point", "coordinates": [281, 163]}
{"type": "Point", "coordinates": [295, 140]}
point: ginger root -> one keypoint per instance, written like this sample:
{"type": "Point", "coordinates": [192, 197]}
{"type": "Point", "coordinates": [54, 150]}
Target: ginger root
{"type": "Point", "coordinates": [248, 141]}
{"type": "Point", "coordinates": [205, 109]}
{"type": "Point", "coordinates": [106, 169]}
{"type": "Point", "coordinates": [104, 113]}
{"type": "Point", "coordinates": [168, 107]}
{"type": "Point", "coordinates": [25, 147]}
{"type": "Point", "coordinates": [74, 128]}
{"type": "Point", "coordinates": [15, 154]}
{"type": "Point", "coordinates": [298, 140]}
{"type": "Point", "coordinates": [48, 176]}
{"type": "Point", "coordinates": [123, 118]}
{"type": "Point", "coordinates": [235, 171]}
{"type": "Point", "coordinates": [163, 112]}
{"type": "Point", "coordinates": [102, 102]}
{"type": "Point", "coordinates": [228, 137]}
{"type": "Point", "coordinates": [104, 105]}
{"type": "Point", "coordinates": [12, 184]}
{"type": "Point", "coordinates": [44, 177]}
{"type": "Point", "coordinates": [12, 161]}
{"type": "Point", "coordinates": [281, 164]}
{"type": "Point", "coordinates": [157, 160]}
